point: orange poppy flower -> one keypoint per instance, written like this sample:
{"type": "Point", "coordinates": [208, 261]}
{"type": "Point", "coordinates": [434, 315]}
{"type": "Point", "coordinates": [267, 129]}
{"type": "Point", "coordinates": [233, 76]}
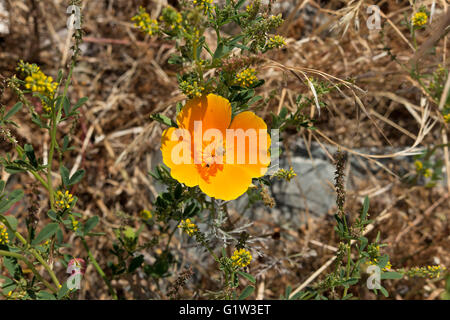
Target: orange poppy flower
{"type": "Point", "coordinates": [210, 150]}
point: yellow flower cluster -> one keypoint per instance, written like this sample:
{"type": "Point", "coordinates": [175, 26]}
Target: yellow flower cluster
{"type": "Point", "coordinates": [15, 295]}
{"type": "Point", "coordinates": [205, 5]}
{"type": "Point", "coordinates": [145, 22]}
{"type": "Point", "coordinates": [419, 19]}
{"type": "Point", "coordinates": [192, 90]}
{"type": "Point", "coordinates": [374, 262]}
{"type": "Point", "coordinates": [63, 200]}
{"type": "Point", "coordinates": [374, 251]}
{"type": "Point", "coordinates": [27, 68]}
{"type": "Point", "coordinates": [189, 227]}
{"type": "Point", "coordinates": [427, 173]}
{"type": "Point", "coordinates": [241, 258]}
{"type": "Point", "coordinates": [276, 42]}
{"type": "Point", "coordinates": [37, 81]}
{"type": "Point", "coordinates": [419, 165]}
{"type": "Point", "coordinates": [75, 224]}
{"type": "Point", "coordinates": [171, 18]}
{"type": "Point", "coordinates": [146, 215]}
{"type": "Point", "coordinates": [447, 118]}
{"type": "Point", "coordinates": [3, 235]}
{"type": "Point", "coordinates": [247, 77]}
{"type": "Point", "coordinates": [428, 271]}
{"type": "Point", "coordinates": [285, 174]}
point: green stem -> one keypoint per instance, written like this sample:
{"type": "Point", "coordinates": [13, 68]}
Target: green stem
{"type": "Point", "coordinates": [99, 269]}
{"type": "Point", "coordinates": [56, 115]}
{"type": "Point", "coordinates": [36, 254]}
{"type": "Point", "coordinates": [50, 160]}
{"type": "Point", "coordinates": [348, 266]}
{"type": "Point", "coordinates": [30, 265]}
{"type": "Point", "coordinates": [171, 235]}
{"type": "Point", "coordinates": [21, 152]}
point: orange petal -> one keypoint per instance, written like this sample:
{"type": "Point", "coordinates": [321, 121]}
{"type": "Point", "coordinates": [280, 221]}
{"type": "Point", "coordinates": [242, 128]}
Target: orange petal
{"type": "Point", "coordinates": [212, 110]}
{"type": "Point", "coordinates": [183, 172]}
{"type": "Point", "coordinates": [228, 184]}
{"type": "Point", "coordinates": [257, 146]}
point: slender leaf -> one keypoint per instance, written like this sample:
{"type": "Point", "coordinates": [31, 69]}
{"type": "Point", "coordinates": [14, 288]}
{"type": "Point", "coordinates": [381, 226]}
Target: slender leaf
{"type": "Point", "coordinates": [90, 224]}
{"type": "Point", "coordinates": [247, 276]}
{"type": "Point", "coordinates": [13, 110]}
{"type": "Point", "coordinates": [48, 231]}
{"type": "Point", "coordinates": [246, 293]}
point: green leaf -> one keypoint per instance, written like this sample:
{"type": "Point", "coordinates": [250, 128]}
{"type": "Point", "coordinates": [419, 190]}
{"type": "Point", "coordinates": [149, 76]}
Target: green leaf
{"type": "Point", "coordinates": [65, 146]}
{"type": "Point", "coordinates": [246, 293]}
{"type": "Point", "coordinates": [8, 286]}
{"type": "Point", "coordinates": [220, 51]}
{"type": "Point", "coordinates": [59, 236]}
{"type": "Point", "coordinates": [382, 261]}
{"type": "Point", "coordinates": [348, 296]}
{"type": "Point", "coordinates": [13, 110]}
{"type": "Point", "coordinates": [164, 120]}
{"type": "Point", "coordinates": [288, 292]}
{"type": "Point", "coordinates": [52, 215]}
{"type": "Point", "coordinates": [350, 282]}
{"type": "Point", "coordinates": [135, 263]}
{"type": "Point", "coordinates": [2, 186]}
{"type": "Point", "coordinates": [364, 242]}
{"type": "Point", "coordinates": [175, 59]}
{"type": "Point", "coordinates": [44, 295]}
{"type": "Point", "coordinates": [80, 103]}
{"type": "Point", "coordinates": [48, 231]}
{"type": "Point", "coordinates": [90, 224]}
{"type": "Point", "coordinates": [365, 208]}
{"type": "Point", "coordinates": [391, 275]}
{"type": "Point", "coordinates": [37, 120]}
{"type": "Point", "coordinates": [384, 291]}
{"type": "Point", "coordinates": [12, 222]}
{"type": "Point", "coordinates": [29, 151]}
{"type": "Point", "coordinates": [254, 99]}
{"type": "Point", "coordinates": [14, 169]}
{"type": "Point", "coordinates": [12, 198]}
{"type": "Point", "coordinates": [178, 191]}
{"type": "Point", "coordinates": [247, 276]}
{"type": "Point", "coordinates": [64, 175]}
{"type": "Point", "coordinates": [62, 291]}
{"type": "Point", "coordinates": [239, 4]}
{"type": "Point", "coordinates": [66, 106]}
{"type": "Point", "coordinates": [77, 176]}
{"type": "Point", "coordinates": [299, 295]}
{"type": "Point", "coordinates": [12, 266]}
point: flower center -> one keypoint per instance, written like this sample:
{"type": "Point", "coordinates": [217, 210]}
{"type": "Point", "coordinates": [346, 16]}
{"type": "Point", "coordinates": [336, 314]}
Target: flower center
{"type": "Point", "coordinates": [212, 159]}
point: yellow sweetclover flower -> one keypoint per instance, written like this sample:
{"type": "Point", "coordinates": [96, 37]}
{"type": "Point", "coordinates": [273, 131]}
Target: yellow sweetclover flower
{"type": "Point", "coordinates": [37, 81]}
{"type": "Point", "coordinates": [3, 235]}
{"type": "Point", "coordinates": [419, 19]}
{"type": "Point", "coordinates": [189, 227]}
{"type": "Point", "coordinates": [63, 200]}
{"type": "Point", "coordinates": [287, 175]}
{"type": "Point", "coordinates": [222, 161]}
{"type": "Point", "coordinates": [447, 118]}
{"type": "Point", "coordinates": [75, 224]}
{"type": "Point", "coordinates": [205, 5]}
{"type": "Point", "coordinates": [146, 215]}
{"type": "Point", "coordinates": [144, 22]}
{"type": "Point", "coordinates": [276, 42]}
{"type": "Point", "coordinates": [419, 165]}
{"type": "Point", "coordinates": [247, 77]}
{"type": "Point", "coordinates": [241, 258]}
